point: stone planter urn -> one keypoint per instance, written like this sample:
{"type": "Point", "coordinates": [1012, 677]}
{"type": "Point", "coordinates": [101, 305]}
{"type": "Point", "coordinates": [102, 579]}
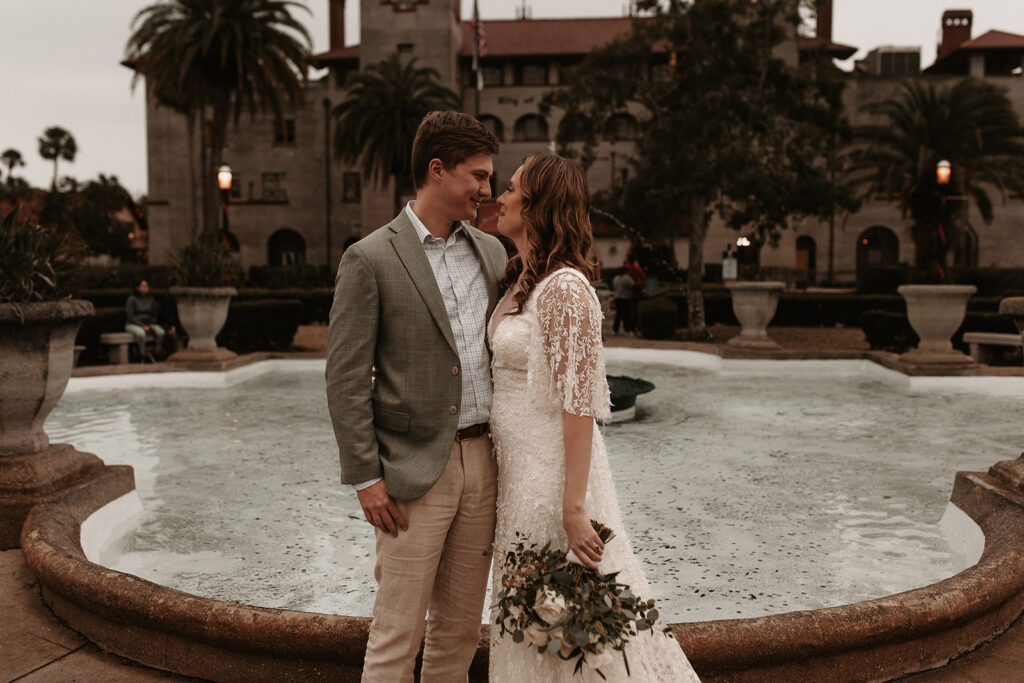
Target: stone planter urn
{"type": "Point", "coordinates": [202, 312]}
{"type": "Point", "coordinates": [37, 350]}
{"type": "Point", "coordinates": [1014, 307]}
{"type": "Point", "coordinates": [754, 304]}
{"type": "Point", "coordinates": [935, 313]}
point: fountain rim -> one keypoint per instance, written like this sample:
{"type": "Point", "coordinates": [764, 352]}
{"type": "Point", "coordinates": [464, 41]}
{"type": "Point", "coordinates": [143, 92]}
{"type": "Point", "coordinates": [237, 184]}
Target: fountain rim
{"type": "Point", "coordinates": [992, 590]}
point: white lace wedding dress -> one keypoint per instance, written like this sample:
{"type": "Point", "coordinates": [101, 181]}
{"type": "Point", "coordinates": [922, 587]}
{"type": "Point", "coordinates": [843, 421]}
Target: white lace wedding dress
{"type": "Point", "coordinates": [546, 359]}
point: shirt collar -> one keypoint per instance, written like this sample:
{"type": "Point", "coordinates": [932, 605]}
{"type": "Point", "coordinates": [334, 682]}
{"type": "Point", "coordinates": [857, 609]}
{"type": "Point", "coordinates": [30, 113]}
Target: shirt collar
{"type": "Point", "coordinates": [421, 230]}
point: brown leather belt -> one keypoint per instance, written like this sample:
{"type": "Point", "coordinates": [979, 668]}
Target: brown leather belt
{"type": "Point", "coordinates": [472, 431]}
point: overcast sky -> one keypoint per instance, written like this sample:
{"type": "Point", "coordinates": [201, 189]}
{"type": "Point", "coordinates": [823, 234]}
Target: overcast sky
{"type": "Point", "coordinates": [60, 65]}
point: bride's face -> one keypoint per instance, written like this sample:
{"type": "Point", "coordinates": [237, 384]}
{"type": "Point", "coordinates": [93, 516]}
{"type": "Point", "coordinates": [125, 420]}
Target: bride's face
{"type": "Point", "coordinates": [510, 209]}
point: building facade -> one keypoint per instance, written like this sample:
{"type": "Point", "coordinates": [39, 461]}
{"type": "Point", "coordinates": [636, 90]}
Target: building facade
{"type": "Point", "coordinates": [292, 203]}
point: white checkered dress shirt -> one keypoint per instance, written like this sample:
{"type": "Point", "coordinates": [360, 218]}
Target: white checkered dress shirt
{"type": "Point", "coordinates": [464, 290]}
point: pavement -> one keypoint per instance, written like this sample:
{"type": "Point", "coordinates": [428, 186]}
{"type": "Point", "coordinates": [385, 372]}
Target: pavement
{"type": "Point", "coordinates": [36, 647]}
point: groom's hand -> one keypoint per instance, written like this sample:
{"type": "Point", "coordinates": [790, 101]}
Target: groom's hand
{"type": "Point", "coordinates": [380, 509]}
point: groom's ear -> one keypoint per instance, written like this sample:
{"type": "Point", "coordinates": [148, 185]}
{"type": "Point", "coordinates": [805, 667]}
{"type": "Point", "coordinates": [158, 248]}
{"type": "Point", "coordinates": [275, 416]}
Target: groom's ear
{"type": "Point", "coordinates": [434, 169]}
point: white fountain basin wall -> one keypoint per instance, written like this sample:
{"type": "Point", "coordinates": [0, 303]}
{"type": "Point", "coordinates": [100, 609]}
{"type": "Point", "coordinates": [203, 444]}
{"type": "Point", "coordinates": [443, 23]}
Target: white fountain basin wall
{"type": "Point", "coordinates": [749, 487]}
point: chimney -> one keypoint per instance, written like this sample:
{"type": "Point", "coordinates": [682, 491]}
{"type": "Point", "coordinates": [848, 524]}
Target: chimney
{"type": "Point", "coordinates": [824, 29]}
{"type": "Point", "coordinates": [956, 30]}
{"type": "Point", "coordinates": [337, 19]}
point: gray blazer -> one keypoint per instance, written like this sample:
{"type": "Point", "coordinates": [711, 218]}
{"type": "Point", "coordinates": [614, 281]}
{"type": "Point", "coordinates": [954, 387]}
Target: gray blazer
{"type": "Point", "coordinates": [388, 312]}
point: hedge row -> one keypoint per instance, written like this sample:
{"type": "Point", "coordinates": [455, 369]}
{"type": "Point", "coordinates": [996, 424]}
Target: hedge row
{"type": "Point", "coordinates": [315, 303]}
{"type": "Point", "coordinates": [126, 275]}
{"type": "Point", "coordinates": [891, 331]}
{"type": "Point", "coordinates": [264, 325]}
{"type": "Point", "coordinates": [994, 282]}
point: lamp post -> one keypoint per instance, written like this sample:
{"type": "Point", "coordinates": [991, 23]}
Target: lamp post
{"type": "Point", "coordinates": [224, 177]}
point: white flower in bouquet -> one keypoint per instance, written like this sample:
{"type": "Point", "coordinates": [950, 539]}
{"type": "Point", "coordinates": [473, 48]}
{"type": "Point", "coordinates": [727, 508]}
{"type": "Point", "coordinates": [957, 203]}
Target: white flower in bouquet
{"type": "Point", "coordinates": [559, 635]}
{"type": "Point", "coordinates": [536, 634]}
{"type": "Point", "coordinates": [603, 657]}
{"type": "Point", "coordinates": [549, 606]}
{"type": "Point", "coordinates": [566, 610]}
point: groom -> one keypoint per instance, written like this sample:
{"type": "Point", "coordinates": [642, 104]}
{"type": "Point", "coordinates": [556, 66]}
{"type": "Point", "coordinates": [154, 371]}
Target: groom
{"type": "Point", "coordinates": [412, 300]}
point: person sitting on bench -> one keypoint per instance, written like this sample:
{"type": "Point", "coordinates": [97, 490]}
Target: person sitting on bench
{"type": "Point", "coordinates": [140, 317]}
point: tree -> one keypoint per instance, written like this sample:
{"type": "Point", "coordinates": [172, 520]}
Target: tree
{"type": "Point", "coordinates": [56, 144]}
{"type": "Point", "coordinates": [12, 160]}
{"type": "Point", "coordinates": [89, 212]}
{"type": "Point", "coordinates": [377, 121]}
{"type": "Point", "coordinates": [725, 125]}
{"type": "Point", "coordinates": [220, 57]}
{"type": "Point", "coordinates": [973, 126]}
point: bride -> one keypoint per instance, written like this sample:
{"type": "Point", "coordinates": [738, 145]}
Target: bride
{"type": "Point", "coordinates": [549, 387]}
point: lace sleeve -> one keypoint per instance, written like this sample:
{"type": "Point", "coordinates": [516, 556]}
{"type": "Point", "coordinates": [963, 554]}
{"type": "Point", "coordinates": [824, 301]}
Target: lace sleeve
{"type": "Point", "coordinates": [570, 321]}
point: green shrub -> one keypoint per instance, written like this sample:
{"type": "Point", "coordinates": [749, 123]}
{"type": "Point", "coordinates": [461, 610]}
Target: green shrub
{"type": "Point", "coordinates": [658, 318]}
{"type": "Point", "coordinates": [263, 325]}
{"type": "Point", "coordinates": [123, 276]}
{"type": "Point", "coordinates": [35, 261]}
{"type": "Point", "coordinates": [888, 331]}
{"type": "Point", "coordinates": [882, 279]}
{"type": "Point", "coordinates": [287, 277]}
{"type": "Point", "coordinates": [257, 325]}
{"type": "Point", "coordinates": [316, 303]}
{"type": "Point", "coordinates": [891, 331]}
{"type": "Point", "coordinates": [106, 319]}
{"type": "Point", "coordinates": [206, 263]}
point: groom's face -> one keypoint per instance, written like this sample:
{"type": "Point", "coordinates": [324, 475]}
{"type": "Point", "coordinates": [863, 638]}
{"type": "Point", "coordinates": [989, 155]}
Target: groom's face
{"type": "Point", "coordinates": [466, 185]}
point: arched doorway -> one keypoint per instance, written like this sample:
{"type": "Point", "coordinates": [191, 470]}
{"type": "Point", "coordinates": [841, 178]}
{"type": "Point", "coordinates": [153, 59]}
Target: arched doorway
{"type": "Point", "coordinates": [877, 246]}
{"type": "Point", "coordinates": [286, 248]}
{"type": "Point", "coordinates": [806, 253]}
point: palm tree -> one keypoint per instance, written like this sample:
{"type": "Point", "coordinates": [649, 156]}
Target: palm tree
{"type": "Point", "coordinates": [220, 57]}
{"type": "Point", "coordinates": [377, 120]}
{"type": "Point", "coordinates": [57, 144]}
{"type": "Point", "coordinates": [974, 127]}
{"type": "Point", "coordinates": [12, 160]}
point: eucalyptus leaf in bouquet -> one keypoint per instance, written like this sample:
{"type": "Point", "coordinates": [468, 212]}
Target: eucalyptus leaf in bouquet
{"type": "Point", "coordinates": [551, 602]}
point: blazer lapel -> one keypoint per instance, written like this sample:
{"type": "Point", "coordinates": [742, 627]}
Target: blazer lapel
{"type": "Point", "coordinates": [410, 251]}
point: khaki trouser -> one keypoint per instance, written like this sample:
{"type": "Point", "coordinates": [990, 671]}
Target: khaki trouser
{"type": "Point", "coordinates": [437, 568]}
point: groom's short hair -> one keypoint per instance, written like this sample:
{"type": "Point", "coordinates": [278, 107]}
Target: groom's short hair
{"type": "Point", "coordinates": [450, 136]}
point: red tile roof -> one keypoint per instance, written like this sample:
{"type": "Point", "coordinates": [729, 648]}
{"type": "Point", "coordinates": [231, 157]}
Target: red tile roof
{"type": "Point", "coordinates": [837, 50]}
{"type": "Point", "coordinates": [526, 37]}
{"type": "Point", "coordinates": [994, 40]}
{"type": "Point", "coordinates": [336, 54]}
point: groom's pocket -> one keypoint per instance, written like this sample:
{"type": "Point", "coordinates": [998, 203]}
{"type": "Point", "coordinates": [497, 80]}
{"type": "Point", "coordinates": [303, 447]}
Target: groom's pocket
{"type": "Point", "coordinates": [392, 420]}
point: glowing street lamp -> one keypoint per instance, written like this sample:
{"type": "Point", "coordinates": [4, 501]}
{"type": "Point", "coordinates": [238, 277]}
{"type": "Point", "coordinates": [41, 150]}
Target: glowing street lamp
{"type": "Point", "coordinates": [224, 178]}
{"type": "Point", "coordinates": [942, 172]}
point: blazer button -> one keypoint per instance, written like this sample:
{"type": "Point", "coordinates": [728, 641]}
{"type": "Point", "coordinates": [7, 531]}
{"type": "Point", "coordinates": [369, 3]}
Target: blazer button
{"type": "Point", "coordinates": [453, 410]}
{"type": "Point", "coordinates": [455, 370]}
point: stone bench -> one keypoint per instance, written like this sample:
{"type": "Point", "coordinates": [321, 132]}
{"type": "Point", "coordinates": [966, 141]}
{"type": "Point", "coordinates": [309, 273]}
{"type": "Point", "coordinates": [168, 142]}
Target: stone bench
{"type": "Point", "coordinates": [982, 344]}
{"type": "Point", "coordinates": [117, 344]}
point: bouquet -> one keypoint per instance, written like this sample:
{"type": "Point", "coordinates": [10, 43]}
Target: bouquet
{"type": "Point", "coordinates": [563, 608]}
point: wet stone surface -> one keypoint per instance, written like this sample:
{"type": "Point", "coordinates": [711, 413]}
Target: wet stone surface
{"type": "Point", "coordinates": [744, 494]}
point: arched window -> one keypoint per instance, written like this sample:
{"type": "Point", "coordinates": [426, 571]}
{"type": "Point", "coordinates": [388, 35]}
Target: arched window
{"type": "Point", "coordinates": [572, 127]}
{"type": "Point", "coordinates": [286, 248]}
{"type": "Point", "coordinates": [806, 252]}
{"type": "Point", "coordinates": [531, 128]}
{"type": "Point", "coordinates": [620, 126]}
{"type": "Point", "coordinates": [494, 124]}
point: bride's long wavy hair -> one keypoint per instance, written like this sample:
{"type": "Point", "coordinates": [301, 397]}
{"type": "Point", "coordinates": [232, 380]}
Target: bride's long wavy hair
{"type": "Point", "coordinates": [556, 218]}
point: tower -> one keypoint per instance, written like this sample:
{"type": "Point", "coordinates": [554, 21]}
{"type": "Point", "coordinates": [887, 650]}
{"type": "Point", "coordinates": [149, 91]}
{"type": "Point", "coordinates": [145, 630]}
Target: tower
{"type": "Point", "coordinates": [430, 32]}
